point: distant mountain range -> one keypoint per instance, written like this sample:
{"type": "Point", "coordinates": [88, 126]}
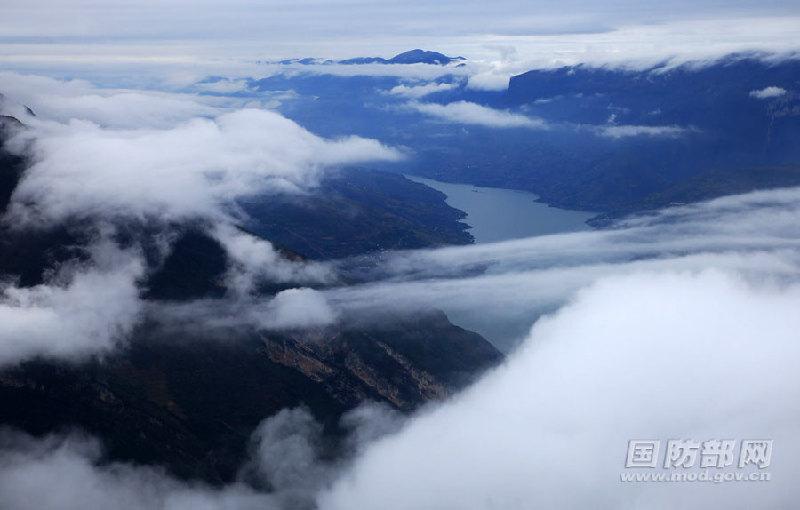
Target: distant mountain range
{"type": "Point", "coordinates": [415, 56]}
{"type": "Point", "coordinates": [611, 140]}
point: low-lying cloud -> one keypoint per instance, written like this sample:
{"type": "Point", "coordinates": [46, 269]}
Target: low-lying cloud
{"type": "Point", "coordinates": [288, 457]}
{"type": "Point", "coordinates": [253, 260]}
{"type": "Point", "coordinates": [513, 282]}
{"type": "Point", "coordinates": [101, 157]}
{"type": "Point", "coordinates": [465, 112]}
{"type": "Point", "coordinates": [193, 170]}
{"type": "Point", "coordinates": [419, 91]}
{"type": "Point", "coordinates": [629, 130]}
{"type": "Point", "coordinates": [768, 92]}
{"type": "Point", "coordinates": [655, 355]}
{"type": "Point", "coordinates": [68, 100]}
{"type": "Point", "coordinates": [84, 309]}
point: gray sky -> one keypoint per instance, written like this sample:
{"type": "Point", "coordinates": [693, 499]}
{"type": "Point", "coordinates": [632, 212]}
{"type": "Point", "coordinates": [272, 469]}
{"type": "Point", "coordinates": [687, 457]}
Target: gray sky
{"type": "Point", "coordinates": [199, 29]}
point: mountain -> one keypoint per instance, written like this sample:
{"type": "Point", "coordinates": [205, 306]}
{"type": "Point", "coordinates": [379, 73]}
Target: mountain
{"type": "Point", "coordinates": [188, 399]}
{"type": "Point", "coordinates": [416, 56]}
{"type": "Point", "coordinates": [614, 140]}
{"type": "Point", "coordinates": [733, 121]}
{"type": "Point", "coordinates": [190, 403]}
{"type": "Point", "coordinates": [724, 98]}
{"type": "Point", "coordinates": [357, 211]}
{"type": "Point", "coordinates": [11, 165]}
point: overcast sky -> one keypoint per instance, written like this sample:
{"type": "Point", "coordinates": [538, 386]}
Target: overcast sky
{"type": "Point", "coordinates": [81, 31]}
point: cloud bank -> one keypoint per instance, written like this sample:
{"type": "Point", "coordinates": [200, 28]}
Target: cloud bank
{"type": "Point", "coordinates": [768, 93]}
{"type": "Point", "coordinates": [465, 112]}
{"type": "Point", "coordinates": [627, 131]}
{"type": "Point", "coordinates": [659, 355]}
{"type": "Point", "coordinates": [105, 158]}
{"type": "Point", "coordinates": [84, 309]}
{"type": "Point", "coordinates": [418, 91]}
{"type": "Point", "coordinates": [288, 457]}
{"type": "Point", "coordinates": [193, 170]}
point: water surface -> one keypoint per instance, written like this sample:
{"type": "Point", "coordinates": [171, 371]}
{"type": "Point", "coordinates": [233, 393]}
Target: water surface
{"type": "Point", "coordinates": [498, 214]}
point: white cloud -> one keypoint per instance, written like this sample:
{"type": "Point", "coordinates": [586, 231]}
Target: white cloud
{"type": "Point", "coordinates": [648, 355]}
{"type": "Point", "coordinates": [65, 100]}
{"type": "Point", "coordinates": [768, 92]}
{"type": "Point", "coordinates": [254, 260]}
{"type": "Point", "coordinates": [66, 473]}
{"type": "Point", "coordinates": [222, 86]}
{"type": "Point", "coordinates": [464, 112]}
{"type": "Point", "coordinates": [418, 91]}
{"type": "Point", "coordinates": [288, 456]}
{"type": "Point", "coordinates": [123, 31]}
{"type": "Point", "coordinates": [512, 282]}
{"type": "Point", "coordinates": [174, 166]}
{"type": "Point", "coordinates": [627, 131]}
{"type": "Point", "coordinates": [296, 308]}
{"type": "Point", "coordinates": [489, 80]}
{"type": "Point", "coordinates": [84, 309]}
{"type": "Point", "coordinates": [197, 168]}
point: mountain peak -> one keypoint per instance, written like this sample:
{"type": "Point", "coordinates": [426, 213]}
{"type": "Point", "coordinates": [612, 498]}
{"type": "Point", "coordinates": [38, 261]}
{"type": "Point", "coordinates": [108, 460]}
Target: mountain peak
{"type": "Point", "coordinates": [415, 56]}
{"type": "Point", "coordinates": [418, 56]}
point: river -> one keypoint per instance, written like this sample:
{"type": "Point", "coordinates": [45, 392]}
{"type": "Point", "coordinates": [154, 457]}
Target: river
{"type": "Point", "coordinates": [498, 214]}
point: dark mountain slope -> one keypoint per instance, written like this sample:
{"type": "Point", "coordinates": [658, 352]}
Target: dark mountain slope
{"type": "Point", "coordinates": [358, 211]}
{"type": "Point", "coordinates": [729, 132]}
{"type": "Point", "coordinates": [190, 404]}
{"type": "Point", "coordinates": [189, 400]}
{"type": "Point", "coordinates": [11, 165]}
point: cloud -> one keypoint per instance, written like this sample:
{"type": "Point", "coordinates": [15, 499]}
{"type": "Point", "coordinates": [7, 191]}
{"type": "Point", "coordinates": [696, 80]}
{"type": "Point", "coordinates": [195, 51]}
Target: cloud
{"type": "Point", "coordinates": [83, 309]}
{"type": "Point", "coordinates": [716, 280]}
{"type": "Point", "coordinates": [514, 282]}
{"type": "Point", "coordinates": [66, 473]}
{"type": "Point", "coordinates": [464, 112]}
{"type": "Point", "coordinates": [296, 308]}
{"type": "Point", "coordinates": [182, 161]}
{"type": "Point", "coordinates": [670, 338]}
{"type": "Point", "coordinates": [66, 100]}
{"type": "Point", "coordinates": [253, 260]}
{"type": "Point", "coordinates": [493, 79]}
{"type": "Point", "coordinates": [196, 169]}
{"type": "Point", "coordinates": [289, 455]}
{"type": "Point", "coordinates": [414, 72]}
{"type": "Point", "coordinates": [123, 31]}
{"type": "Point", "coordinates": [655, 355]}
{"type": "Point", "coordinates": [418, 91]}
{"type": "Point", "coordinates": [289, 451]}
{"type": "Point", "coordinates": [290, 309]}
{"type": "Point", "coordinates": [222, 86]}
{"type": "Point", "coordinates": [768, 93]}
{"type": "Point", "coordinates": [287, 459]}
{"type": "Point", "coordinates": [627, 131]}
{"type": "Point", "coordinates": [288, 466]}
